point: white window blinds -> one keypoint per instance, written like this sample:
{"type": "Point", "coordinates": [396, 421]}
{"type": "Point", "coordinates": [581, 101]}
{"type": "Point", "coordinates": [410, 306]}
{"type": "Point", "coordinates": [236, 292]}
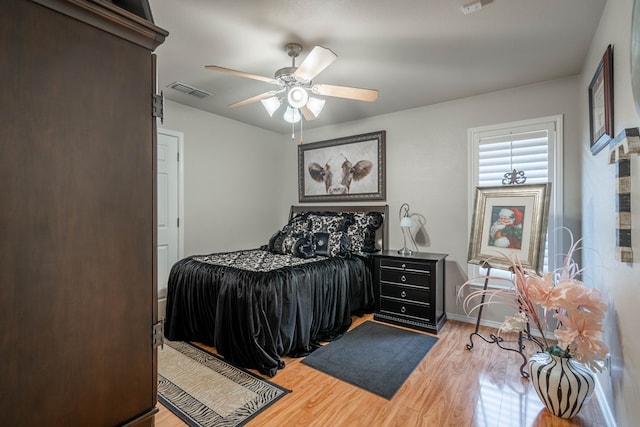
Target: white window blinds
{"type": "Point", "coordinates": [527, 152]}
{"type": "Point", "coordinates": [532, 147]}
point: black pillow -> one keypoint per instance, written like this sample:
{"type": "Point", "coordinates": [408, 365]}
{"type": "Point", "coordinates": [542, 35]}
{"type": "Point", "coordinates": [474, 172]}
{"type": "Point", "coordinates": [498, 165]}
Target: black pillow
{"type": "Point", "coordinates": [335, 244]}
{"type": "Point", "coordinates": [300, 245]}
{"type": "Point", "coordinates": [322, 243]}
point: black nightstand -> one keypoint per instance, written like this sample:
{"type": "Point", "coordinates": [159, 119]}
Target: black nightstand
{"type": "Point", "coordinates": [409, 289]}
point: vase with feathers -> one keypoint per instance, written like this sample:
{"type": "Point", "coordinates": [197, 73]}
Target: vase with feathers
{"type": "Point", "coordinates": [562, 373]}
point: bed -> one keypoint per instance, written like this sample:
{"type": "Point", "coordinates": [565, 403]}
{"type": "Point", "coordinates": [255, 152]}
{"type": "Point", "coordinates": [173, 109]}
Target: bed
{"type": "Point", "coordinates": [284, 298]}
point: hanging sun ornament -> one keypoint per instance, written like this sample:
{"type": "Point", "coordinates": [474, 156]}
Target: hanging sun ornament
{"type": "Point", "coordinates": [514, 177]}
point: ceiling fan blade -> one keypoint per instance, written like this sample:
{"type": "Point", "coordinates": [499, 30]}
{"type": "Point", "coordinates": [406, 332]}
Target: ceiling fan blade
{"type": "Point", "coordinates": [318, 59]}
{"type": "Point", "coordinates": [241, 74]}
{"type": "Point", "coordinates": [254, 98]}
{"type": "Point", "coordinates": [359, 94]}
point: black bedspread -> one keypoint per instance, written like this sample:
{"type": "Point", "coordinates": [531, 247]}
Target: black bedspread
{"type": "Point", "coordinates": [254, 307]}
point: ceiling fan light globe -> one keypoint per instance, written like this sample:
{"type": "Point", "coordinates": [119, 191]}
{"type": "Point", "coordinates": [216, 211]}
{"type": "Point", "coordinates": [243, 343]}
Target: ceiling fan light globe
{"type": "Point", "coordinates": [271, 104]}
{"type": "Point", "coordinates": [291, 115]}
{"type": "Point", "coordinates": [297, 97]}
{"type": "Point", "coordinates": [315, 105]}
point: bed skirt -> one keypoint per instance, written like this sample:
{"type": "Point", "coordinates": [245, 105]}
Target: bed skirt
{"type": "Point", "coordinates": [253, 318]}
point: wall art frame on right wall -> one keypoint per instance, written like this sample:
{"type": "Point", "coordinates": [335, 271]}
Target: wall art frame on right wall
{"type": "Point", "coordinates": [601, 103]}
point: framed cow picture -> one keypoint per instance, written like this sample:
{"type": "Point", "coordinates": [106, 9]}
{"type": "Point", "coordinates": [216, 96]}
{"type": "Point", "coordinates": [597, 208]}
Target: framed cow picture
{"type": "Point", "coordinates": [348, 168]}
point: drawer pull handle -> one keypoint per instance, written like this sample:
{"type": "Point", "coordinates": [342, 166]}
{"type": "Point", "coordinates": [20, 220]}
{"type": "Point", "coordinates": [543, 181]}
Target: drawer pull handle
{"type": "Point", "coordinates": [403, 294]}
{"type": "Point", "coordinates": [403, 309]}
{"type": "Point", "coordinates": [403, 278]}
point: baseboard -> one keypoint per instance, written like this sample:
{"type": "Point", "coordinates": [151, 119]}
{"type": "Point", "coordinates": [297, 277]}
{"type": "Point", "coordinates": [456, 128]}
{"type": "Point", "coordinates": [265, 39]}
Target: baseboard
{"type": "Point", "coordinates": [467, 319]}
{"type": "Point", "coordinates": [609, 419]}
{"type": "Point", "coordinates": [491, 324]}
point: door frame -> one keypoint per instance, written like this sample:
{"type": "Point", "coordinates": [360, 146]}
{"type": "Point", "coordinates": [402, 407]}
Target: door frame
{"type": "Point", "coordinates": [180, 137]}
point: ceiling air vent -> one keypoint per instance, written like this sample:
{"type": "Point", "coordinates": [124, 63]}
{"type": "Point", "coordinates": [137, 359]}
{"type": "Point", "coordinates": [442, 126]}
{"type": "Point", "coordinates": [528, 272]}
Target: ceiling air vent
{"type": "Point", "coordinates": [189, 90]}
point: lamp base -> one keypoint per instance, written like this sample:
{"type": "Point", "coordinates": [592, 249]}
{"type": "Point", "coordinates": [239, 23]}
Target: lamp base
{"type": "Point", "coordinates": [405, 251]}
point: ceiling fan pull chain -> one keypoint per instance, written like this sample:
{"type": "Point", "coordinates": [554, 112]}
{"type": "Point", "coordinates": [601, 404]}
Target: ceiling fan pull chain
{"type": "Point", "coordinates": [301, 139]}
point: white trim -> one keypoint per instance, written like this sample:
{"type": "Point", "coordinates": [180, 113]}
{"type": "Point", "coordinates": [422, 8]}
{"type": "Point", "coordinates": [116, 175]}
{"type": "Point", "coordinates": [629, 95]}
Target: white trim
{"type": "Point", "coordinates": [180, 137]}
{"type": "Point", "coordinates": [554, 126]}
{"type": "Point", "coordinates": [609, 419]}
{"type": "Point", "coordinates": [472, 320]}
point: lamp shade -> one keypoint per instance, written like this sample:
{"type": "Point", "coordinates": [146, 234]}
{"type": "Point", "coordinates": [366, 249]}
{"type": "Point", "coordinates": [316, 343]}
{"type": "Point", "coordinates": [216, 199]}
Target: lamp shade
{"type": "Point", "coordinates": [406, 222]}
{"type": "Point", "coordinates": [405, 226]}
{"type": "Point", "coordinates": [271, 104]}
{"type": "Point", "coordinates": [291, 115]}
{"type": "Point", "coordinates": [315, 105]}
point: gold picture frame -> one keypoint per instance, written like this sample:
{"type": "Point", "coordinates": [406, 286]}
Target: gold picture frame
{"type": "Point", "coordinates": [510, 221]}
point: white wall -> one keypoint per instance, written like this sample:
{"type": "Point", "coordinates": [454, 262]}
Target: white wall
{"type": "Point", "coordinates": [427, 164]}
{"type": "Point", "coordinates": [233, 170]}
{"type": "Point", "coordinates": [619, 282]}
{"type": "Point", "coordinates": [233, 181]}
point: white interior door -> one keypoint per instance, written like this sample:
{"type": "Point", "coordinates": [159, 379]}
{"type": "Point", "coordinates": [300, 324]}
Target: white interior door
{"type": "Point", "coordinates": [168, 210]}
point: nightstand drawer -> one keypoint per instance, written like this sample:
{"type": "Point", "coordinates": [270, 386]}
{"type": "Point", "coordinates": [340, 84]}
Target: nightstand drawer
{"type": "Point", "coordinates": [403, 265]}
{"type": "Point", "coordinates": [405, 277]}
{"type": "Point", "coordinates": [424, 312]}
{"type": "Point", "coordinates": [410, 293]}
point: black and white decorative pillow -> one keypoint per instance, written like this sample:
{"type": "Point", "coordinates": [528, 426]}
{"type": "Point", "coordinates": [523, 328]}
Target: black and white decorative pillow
{"type": "Point", "coordinates": [298, 244]}
{"type": "Point", "coordinates": [329, 222]}
{"type": "Point", "coordinates": [297, 224]}
{"type": "Point", "coordinates": [362, 231]}
{"type": "Point", "coordinates": [327, 234]}
{"type": "Point", "coordinates": [335, 244]}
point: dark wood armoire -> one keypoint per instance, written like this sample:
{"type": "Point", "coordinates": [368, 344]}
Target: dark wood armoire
{"type": "Point", "coordinates": [77, 214]}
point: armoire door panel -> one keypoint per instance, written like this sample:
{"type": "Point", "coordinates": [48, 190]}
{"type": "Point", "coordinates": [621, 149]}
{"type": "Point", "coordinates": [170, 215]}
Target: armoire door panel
{"type": "Point", "coordinates": [77, 254]}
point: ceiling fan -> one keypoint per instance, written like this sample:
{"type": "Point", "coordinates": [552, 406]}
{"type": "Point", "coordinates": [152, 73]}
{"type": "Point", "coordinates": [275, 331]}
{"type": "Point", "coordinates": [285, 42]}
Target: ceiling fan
{"type": "Point", "coordinates": [295, 83]}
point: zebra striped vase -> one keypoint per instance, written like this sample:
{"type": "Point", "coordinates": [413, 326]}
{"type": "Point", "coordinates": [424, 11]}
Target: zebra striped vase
{"type": "Point", "coordinates": [563, 384]}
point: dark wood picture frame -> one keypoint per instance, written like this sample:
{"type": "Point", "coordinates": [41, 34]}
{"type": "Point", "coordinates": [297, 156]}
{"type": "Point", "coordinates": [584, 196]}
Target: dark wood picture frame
{"type": "Point", "coordinates": [601, 103]}
{"type": "Point", "coordinates": [322, 167]}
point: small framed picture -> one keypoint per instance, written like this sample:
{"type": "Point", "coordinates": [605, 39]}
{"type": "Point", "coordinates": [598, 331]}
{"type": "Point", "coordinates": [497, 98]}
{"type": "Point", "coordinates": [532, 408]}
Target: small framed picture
{"type": "Point", "coordinates": [511, 221]}
{"type": "Point", "coordinates": [601, 103]}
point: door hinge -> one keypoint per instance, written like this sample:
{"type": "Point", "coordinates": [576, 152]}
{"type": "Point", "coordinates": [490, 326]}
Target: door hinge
{"type": "Point", "coordinates": [157, 334]}
{"type": "Point", "coordinates": [178, 222]}
{"type": "Point", "coordinates": [157, 106]}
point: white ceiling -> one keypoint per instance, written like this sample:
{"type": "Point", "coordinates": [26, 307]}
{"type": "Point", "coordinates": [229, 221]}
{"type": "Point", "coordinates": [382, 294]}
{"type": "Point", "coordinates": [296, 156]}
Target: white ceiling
{"type": "Point", "coordinates": [415, 52]}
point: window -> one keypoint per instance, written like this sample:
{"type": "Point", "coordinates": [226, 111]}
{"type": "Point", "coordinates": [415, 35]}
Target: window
{"type": "Point", "coordinates": [533, 146]}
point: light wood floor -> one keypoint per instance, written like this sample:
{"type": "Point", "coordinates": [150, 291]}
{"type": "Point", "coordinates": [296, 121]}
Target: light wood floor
{"type": "Point", "coordinates": [452, 386]}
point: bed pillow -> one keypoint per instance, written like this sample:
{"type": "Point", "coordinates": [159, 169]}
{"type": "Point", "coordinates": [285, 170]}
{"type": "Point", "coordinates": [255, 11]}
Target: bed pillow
{"type": "Point", "coordinates": [297, 224]}
{"type": "Point", "coordinates": [362, 231]}
{"type": "Point", "coordinates": [298, 244]}
{"type": "Point", "coordinates": [329, 222]}
{"type": "Point", "coordinates": [335, 244]}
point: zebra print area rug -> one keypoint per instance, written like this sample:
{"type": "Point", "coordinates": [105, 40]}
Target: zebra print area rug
{"type": "Point", "coordinates": [205, 391]}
